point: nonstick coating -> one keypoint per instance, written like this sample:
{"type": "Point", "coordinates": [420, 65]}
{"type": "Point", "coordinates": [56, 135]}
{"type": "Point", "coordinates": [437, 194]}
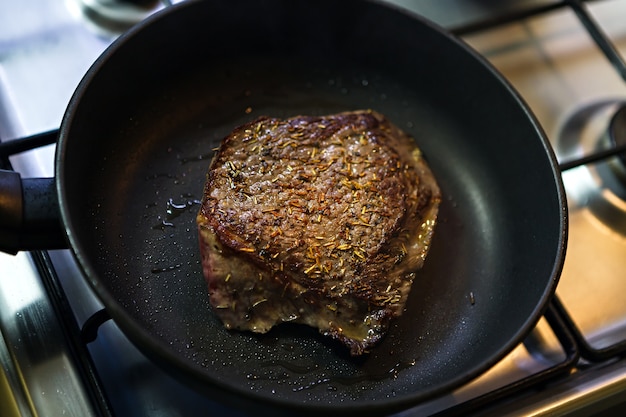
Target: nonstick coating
{"type": "Point", "coordinates": [136, 144]}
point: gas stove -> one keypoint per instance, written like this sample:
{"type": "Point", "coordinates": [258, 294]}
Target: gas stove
{"type": "Point", "coordinates": [61, 355]}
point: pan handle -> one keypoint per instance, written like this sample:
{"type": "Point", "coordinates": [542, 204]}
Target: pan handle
{"type": "Point", "coordinates": [29, 214]}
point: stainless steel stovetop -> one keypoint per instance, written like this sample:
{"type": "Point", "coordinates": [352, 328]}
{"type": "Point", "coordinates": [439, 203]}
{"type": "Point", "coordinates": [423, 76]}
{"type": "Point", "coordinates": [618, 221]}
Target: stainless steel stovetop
{"type": "Point", "coordinates": [572, 362]}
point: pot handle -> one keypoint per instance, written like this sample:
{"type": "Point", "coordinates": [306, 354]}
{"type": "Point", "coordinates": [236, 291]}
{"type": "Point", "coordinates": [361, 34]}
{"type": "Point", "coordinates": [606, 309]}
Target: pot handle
{"type": "Point", "coordinates": [29, 214]}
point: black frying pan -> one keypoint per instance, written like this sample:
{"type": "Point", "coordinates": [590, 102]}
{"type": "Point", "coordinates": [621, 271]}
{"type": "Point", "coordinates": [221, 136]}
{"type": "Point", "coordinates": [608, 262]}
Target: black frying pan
{"type": "Point", "coordinates": [136, 142]}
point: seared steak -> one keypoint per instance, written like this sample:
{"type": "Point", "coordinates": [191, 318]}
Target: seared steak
{"type": "Point", "coordinates": [316, 220]}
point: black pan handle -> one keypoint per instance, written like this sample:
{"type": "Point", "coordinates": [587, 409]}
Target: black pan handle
{"type": "Point", "coordinates": [29, 214]}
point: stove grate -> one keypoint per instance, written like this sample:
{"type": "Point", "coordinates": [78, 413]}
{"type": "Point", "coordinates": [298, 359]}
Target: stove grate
{"type": "Point", "coordinates": [571, 340]}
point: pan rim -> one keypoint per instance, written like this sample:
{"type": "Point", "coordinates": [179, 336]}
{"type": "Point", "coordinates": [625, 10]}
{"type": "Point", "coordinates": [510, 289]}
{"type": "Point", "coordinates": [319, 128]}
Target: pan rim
{"type": "Point", "coordinates": [149, 345]}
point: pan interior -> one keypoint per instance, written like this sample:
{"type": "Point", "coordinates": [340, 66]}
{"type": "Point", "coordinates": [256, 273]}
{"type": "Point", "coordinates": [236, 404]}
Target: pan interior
{"type": "Point", "coordinates": [133, 172]}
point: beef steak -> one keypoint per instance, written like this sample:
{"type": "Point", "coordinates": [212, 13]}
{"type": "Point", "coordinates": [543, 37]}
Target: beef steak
{"type": "Point", "coordinates": [316, 220]}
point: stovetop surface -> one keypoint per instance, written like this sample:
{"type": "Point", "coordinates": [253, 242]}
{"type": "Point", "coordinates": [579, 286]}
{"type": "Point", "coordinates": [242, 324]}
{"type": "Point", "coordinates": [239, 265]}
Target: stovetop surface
{"type": "Point", "coordinates": [46, 47]}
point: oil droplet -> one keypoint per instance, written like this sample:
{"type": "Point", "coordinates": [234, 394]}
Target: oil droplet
{"type": "Point", "coordinates": [196, 158]}
{"type": "Point", "coordinates": [164, 224]}
{"type": "Point", "coordinates": [165, 269]}
{"type": "Point", "coordinates": [159, 175]}
{"type": "Point", "coordinates": [312, 384]}
{"type": "Point", "coordinates": [293, 367]}
{"type": "Point", "coordinates": [174, 210]}
{"type": "Point", "coordinates": [356, 379]}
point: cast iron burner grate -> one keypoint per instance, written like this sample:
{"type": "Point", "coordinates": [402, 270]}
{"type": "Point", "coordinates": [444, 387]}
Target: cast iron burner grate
{"type": "Point", "coordinates": [573, 343]}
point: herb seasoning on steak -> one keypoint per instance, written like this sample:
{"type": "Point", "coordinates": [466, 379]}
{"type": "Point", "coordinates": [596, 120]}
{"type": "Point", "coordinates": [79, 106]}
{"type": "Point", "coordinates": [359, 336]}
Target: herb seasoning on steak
{"type": "Point", "coordinates": [316, 220]}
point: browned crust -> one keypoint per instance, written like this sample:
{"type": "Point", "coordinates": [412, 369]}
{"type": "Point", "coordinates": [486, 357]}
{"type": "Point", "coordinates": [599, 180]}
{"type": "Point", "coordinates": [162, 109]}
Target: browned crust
{"type": "Point", "coordinates": [327, 205]}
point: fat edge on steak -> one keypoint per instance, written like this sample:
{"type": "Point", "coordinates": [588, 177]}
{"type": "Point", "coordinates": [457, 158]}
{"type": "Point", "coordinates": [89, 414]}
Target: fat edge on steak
{"type": "Point", "coordinates": [323, 221]}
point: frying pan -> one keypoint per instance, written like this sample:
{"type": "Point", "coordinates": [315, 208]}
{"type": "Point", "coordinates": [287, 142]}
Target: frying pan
{"type": "Point", "coordinates": [135, 144]}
